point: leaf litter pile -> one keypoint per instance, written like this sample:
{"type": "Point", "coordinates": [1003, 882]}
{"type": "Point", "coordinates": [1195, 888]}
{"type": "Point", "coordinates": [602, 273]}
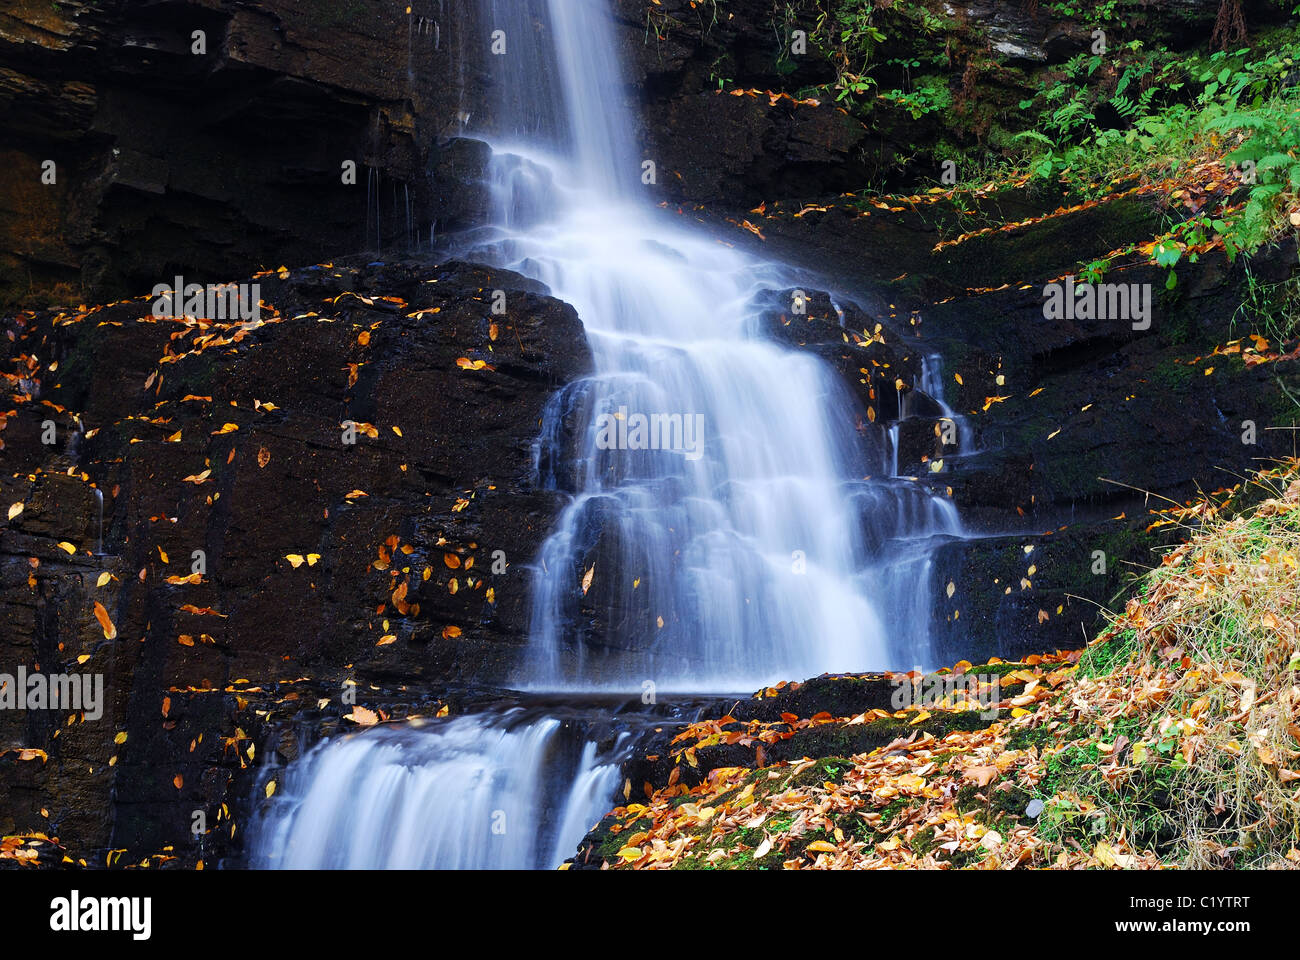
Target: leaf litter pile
{"type": "Point", "coordinates": [1172, 741]}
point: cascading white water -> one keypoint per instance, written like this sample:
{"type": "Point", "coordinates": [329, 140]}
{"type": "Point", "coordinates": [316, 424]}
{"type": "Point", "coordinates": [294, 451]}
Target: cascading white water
{"type": "Point", "coordinates": [723, 571]}
{"type": "Point", "coordinates": [441, 796]}
{"type": "Point", "coordinates": [761, 554]}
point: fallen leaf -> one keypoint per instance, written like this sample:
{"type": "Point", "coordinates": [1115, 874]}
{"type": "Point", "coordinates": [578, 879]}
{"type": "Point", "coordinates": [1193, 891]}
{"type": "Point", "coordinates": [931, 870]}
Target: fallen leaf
{"type": "Point", "coordinates": [110, 631]}
{"type": "Point", "coordinates": [363, 716]}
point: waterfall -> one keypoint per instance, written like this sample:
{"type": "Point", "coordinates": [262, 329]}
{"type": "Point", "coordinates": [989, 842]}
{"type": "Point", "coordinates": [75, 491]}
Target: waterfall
{"type": "Point", "coordinates": [734, 541]}
{"type": "Point", "coordinates": [717, 569]}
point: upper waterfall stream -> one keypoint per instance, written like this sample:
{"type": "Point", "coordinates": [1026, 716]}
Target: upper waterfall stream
{"type": "Point", "coordinates": [751, 551]}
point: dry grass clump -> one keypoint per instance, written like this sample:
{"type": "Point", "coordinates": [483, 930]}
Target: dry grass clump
{"type": "Point", "coordinates": [1212, 667]}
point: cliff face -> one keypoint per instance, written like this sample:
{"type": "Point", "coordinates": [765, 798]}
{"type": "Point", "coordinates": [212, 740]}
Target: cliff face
{"type": "Point", "coordinates": [206, 137]}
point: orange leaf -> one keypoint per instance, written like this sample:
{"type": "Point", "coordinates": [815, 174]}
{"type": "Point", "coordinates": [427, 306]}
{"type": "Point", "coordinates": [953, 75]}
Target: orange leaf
{"type": "Point", "coordinates": [110, 631]}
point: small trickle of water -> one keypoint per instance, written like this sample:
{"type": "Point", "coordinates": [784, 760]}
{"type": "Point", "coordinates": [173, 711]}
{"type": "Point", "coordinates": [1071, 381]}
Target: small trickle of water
{"type": "Point", "coordinates": [99, 499]}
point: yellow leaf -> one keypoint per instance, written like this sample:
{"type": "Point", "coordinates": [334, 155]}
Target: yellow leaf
{"type": "Point", "coordinates": [16, 509]}
{"type": "Point", "coordinates": [821, 846]}
{"type": "Point", "coordinates": [270, 787]}
{"type": "Point", "coordinates": [586, 579]}
{"type": "Point", "coordinates": [295, 559]}
{"type": "Point", "coordinates": [67, 547]}
{"type": "Point", "coordinates": [103, 578]}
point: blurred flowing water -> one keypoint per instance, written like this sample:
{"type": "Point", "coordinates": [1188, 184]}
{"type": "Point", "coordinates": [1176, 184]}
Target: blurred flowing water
{"type": "Point", "coordinates": [760, 555]}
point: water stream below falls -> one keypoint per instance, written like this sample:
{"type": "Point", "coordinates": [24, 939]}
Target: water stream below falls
{"type": "Point", "coordinates": [758, 554]}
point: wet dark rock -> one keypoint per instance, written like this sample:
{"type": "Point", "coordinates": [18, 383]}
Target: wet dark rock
{"type": "Point", "coordinates": [458, 173]}
{"type": "Point", "coordinates": [212, 164]}
{"type": "Point", "coordinates": [870, 356]}
{"type": "Point", "coordinates": [394, 537]}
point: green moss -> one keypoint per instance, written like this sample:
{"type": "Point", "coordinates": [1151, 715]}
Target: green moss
{"type": "Point", "coordinates": [1037, 737]}
{"type": "Point", "coordinates": [1102, 658]}
{"type": "Point", "coordinates": [607, 847]}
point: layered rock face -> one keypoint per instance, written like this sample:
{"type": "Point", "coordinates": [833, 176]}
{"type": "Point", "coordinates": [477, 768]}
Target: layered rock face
{"type": "Point", "coordinates": [209, 137]}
